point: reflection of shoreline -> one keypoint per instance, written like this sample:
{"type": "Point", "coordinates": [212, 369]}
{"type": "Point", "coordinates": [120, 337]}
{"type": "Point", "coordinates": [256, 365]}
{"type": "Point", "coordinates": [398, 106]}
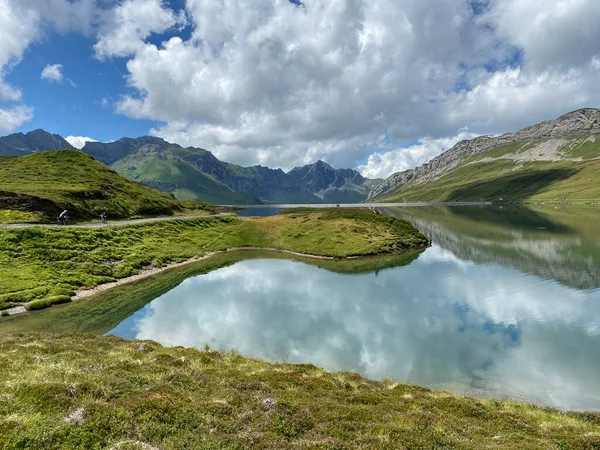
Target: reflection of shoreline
{"type": "Point", "coordinates": [550, 257]}
{"type": "Point", "coordinates": [479, 330]}
{"type": "Point", "coordinates": [143, 274]}
{"type": "Point", "coordinates": [99, 312]}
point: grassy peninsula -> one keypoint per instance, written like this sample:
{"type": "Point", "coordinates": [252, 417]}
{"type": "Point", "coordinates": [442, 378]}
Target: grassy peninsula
{"type": "Point", "coordinates": [85, 392]}
{"type": "Point", "coordinates": [43, 266]}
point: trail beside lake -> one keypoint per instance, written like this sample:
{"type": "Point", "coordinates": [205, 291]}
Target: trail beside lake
{"type": "Point", "coordinates": [117, 223]}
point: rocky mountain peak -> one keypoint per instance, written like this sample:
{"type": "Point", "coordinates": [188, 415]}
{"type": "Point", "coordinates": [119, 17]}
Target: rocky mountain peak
{"type": "Point", "coordinates": [31, 142]}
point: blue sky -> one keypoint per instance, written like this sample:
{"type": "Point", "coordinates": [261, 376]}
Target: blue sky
{"type": "Point", "coordinates": [379, 85]}
{"type": "Point", "coordinates": [82, 110]}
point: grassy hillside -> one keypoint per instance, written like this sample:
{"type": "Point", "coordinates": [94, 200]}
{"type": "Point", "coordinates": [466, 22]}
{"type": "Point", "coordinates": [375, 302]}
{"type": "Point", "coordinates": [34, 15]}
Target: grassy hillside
{"type": "Point", "coordinates": [41, 264]}
{"type": "Point", "coordinates": [48, 182]}
{"type": "Point", "coordinates": [168, 171]}
{"type": "Point", "coordinates": [84, 392]}
{"type": "Point", "coordinates": [518, 171]}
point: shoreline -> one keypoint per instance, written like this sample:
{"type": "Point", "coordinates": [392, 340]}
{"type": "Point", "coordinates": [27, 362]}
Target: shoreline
{"type": "Point", "coordinates": [143, 274]}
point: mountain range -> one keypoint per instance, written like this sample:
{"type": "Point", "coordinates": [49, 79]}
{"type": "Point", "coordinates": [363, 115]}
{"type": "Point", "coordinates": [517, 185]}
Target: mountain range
{"type": "Point", "coordinates": [196, 174]}
{"type": "Point", "coordinates": [555, 159]}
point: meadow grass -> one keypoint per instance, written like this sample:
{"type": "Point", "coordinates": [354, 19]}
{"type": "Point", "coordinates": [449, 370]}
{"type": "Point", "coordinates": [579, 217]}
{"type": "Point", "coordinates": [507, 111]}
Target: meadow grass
{"type": "Point", "coordinates": [38, 263]}
{"type": "Point", "coordinates": [85, 392]}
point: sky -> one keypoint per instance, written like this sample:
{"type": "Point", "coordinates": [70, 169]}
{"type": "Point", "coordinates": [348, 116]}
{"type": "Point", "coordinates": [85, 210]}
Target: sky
{"type": "Point", "coordinates": [377, 85]}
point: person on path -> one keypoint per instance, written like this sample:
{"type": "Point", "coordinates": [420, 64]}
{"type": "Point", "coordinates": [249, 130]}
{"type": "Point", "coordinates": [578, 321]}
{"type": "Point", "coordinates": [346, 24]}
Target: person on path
{"type": "Point", "coordinates": [62, 218]}
{"type": "Point", "coordinates": [103, 218]}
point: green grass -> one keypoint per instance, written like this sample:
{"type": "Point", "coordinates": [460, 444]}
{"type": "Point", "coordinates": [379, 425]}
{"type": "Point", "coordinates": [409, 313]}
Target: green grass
{"type": "Point", "coordinates": [494, 180]}
{"type": "Point", "coordinates": [475, 179]}
{"type": "Point", "coordinates": [48, 182]}
{"type": "Point", "coordinates": [100, 313]}
{"type": "Point", "coordinates": [39, 262]}
{"type": "Point", "coordinates": [84, 392]}
{"type": "Point", "coordinates": [168, 171]}
{"type": "Point", "coordinates": [8, 216]}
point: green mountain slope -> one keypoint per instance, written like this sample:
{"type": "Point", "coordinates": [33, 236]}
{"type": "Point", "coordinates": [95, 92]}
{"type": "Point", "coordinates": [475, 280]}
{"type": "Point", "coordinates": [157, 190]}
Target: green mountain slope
{"type": "Point", "coordinates": [167, 171]}
{"type": "Point", "coordinates": [48, 182]}
{"type": "Point", "coordinates": [557, 159]}
{"type": "Point", "coordinates": [195, 173]}
{"type": "Point", "coordinates": [24, 144]}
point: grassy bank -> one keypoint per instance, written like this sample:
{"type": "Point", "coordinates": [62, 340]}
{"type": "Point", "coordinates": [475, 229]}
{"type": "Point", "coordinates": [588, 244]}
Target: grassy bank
{"type": "Point", "coordinates": [84, 392]}
{"type": "Point", "coordinates": [39, 263]}
{"type": "Point", "coordinates": [102, 312]}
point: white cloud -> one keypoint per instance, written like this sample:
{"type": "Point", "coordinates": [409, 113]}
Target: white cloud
{"type": "Point", "coordinates": [272, 83]}
{"type": "Point", "coordinates": [382, 164]}
{"type": "Point", "coordinates": [13, 117]}
{"type": "Point", "coordinates": [18, 28]}
{"type": "Point", "coordinates": [22, 22]}
{"type": "Point", "coordinates": [53, 72]}
{"type": "Point", "coordinates": [132, 21]}
{"type": "Point", "coordinates": [79, 141]}
{"type": "Point", "coordinates": [550, 32]}
{"type": "Point", "coordinates": [268, 82]}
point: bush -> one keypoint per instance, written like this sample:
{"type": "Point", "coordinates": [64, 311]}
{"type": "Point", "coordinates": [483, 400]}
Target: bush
{"type": "Point", "coordinates": [24, 296]}
{"type": "Point", "coordinates": [48, 302]}
{"type": "Point", "coordinates": [4, 314]}
{"type": "Point", "coordinates": [38, 304]}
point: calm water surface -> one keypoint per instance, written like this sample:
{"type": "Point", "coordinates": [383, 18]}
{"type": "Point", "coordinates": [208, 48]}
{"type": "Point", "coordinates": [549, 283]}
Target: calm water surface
{"type": "Point", "coordinates": [504, 304]}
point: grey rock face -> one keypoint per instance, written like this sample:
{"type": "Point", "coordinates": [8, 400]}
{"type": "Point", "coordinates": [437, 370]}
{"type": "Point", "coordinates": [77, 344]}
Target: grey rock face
{"type": "Point", "coordinates": [576, 123]}
{"type": "Point", "coordinates": [19, 144]}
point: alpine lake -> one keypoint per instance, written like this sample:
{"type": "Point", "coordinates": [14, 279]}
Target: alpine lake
{"type": "Point", "coordinates": [504, 304]}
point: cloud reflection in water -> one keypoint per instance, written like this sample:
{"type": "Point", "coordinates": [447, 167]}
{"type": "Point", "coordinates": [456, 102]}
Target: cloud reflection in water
{"type": "Point", "coordinates": [441, 322]}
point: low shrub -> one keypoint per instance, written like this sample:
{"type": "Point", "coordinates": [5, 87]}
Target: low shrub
{"type": "Point", "coordinates": [48, 302]}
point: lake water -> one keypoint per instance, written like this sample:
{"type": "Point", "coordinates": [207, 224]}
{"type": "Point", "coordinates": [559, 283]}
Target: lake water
{"type": "Point", "coordinates": [506, 303]}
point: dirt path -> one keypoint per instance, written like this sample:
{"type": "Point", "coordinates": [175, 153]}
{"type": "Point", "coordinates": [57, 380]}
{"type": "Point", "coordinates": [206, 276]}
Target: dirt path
{"type": "Point", "coordinates": [146, 273]}
{"type": "Point", "coordinates": [118, 223]}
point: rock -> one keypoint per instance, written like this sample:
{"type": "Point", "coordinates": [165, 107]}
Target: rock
{"type": "Point", "coordinates": [76, 417]}
{"type": "Point", "coordinates": [269, 403]}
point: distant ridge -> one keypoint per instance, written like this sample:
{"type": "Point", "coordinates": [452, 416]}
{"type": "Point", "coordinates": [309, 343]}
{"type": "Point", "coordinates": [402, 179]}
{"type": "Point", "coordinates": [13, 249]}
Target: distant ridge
{"type": "Point", "coordinates": [196, 174]}
{"type": "Point", "coordinates": [19, 144]}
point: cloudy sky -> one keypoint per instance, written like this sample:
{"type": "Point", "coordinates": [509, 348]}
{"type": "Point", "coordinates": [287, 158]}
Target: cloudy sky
{"type": "Point", "coordinates": [382, 85]}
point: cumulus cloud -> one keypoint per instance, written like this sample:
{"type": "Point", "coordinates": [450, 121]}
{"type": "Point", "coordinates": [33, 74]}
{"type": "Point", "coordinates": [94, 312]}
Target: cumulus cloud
{"type": "Point", "coordinates": [550, 32]}
{"type": "Point", "coordinates": [382, 163]}
{"type": "Point", "coordinates": [79, 141]}
{"type": "Point", "coordinates": [13, 117]}
{"type": "Point", "coordinates": [52, 72]}
{"type": "Point", "coordinates": [281, 84]}
{"type": "Point", "coordinates": [18, 28]}
{"type": "Point", "coordinates": [132, 21]}
{"type": "Point", "coordinates": [21, 24]}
